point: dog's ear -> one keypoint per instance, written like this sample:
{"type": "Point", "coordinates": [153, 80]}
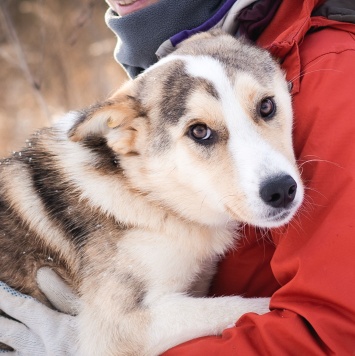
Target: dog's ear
{"type": "Point", "coordinates": [117, 119]}
{"type": "Point", "coordinates": [100, 118]}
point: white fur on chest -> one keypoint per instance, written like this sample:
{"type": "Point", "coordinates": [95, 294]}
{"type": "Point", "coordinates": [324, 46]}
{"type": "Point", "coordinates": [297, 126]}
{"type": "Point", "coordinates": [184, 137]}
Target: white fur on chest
{"type": "Point", "coordinates": [173, 263]}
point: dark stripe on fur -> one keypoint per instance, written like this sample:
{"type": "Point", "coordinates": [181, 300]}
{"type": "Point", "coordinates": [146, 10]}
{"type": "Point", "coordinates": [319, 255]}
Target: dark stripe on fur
{"type": "Point", "coordinates": [21, 252]}
{"type": "Point", "coordinates": [208, 87]}
{"type": "Point", "coordinates": [57, 194]}
{"type": "Point", "coordinates": [177, 88]}
{"type": "Point", "coordinates": [137, 288]}
{"type": "Point", "coordinates": [106, 160]}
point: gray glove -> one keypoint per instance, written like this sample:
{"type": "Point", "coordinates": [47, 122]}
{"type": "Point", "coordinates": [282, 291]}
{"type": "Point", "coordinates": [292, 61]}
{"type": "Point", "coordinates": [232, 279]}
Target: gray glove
{"type": "Point", "coordinates": [40, 331]}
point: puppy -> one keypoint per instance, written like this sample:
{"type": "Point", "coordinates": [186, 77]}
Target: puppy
{"type": "Point", "coordinates": [133, 201]}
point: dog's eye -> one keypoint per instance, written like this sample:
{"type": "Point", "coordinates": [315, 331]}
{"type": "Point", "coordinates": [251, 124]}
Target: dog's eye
{"type": "Point", "coordinates": [267, 108]}
{"type": "Point", "coordinates": [200, 132]}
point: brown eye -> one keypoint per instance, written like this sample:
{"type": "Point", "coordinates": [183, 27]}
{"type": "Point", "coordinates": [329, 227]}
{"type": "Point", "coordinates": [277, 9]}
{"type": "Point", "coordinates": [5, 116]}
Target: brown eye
{"type": "Point", "coordinates": [267, 108]}
{"type": "Point", "coordinates": [201, 133]}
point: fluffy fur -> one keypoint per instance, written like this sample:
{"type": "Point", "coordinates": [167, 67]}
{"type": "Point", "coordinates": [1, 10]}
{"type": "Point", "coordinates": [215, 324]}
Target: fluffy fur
{"type": "Point", "coordinates": [134, 201]}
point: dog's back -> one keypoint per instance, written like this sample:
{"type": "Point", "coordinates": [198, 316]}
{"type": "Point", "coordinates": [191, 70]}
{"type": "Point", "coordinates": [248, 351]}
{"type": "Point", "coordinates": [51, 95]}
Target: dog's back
{"type": "Point", "coordinates": [44, 220]}
{"type": "Point", "coordinates": [24, 220]}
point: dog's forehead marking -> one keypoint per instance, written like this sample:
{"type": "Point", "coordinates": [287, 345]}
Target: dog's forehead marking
{"type": "Point", "coordinates": [177, 87]}
{"type": "Point", "coordinates": [213, 71]}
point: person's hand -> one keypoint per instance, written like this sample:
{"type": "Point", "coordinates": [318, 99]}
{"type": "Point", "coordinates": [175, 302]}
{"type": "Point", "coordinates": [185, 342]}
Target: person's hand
{"type": "Point", "coordinates": [37, 329]}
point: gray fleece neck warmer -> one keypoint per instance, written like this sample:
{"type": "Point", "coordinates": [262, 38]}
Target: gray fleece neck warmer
{"type": "Point", "coordinates": [141, 33]}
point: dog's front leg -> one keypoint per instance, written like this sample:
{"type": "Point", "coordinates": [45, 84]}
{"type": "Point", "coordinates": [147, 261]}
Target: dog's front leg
{"type": "Point", "coordinates": [109, 330]}
{"type": "Point", "coordinates": [158, 325]}
{"type": "Point", "coordinates": [178, 318]}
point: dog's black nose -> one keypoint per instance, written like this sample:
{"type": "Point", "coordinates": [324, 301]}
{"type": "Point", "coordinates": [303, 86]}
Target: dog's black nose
{"type": "Point", "coordinates": [279, 191]}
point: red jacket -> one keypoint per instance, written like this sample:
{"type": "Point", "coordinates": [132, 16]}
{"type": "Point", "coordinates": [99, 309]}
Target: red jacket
{"type": "Point", "coordinates": [309, 266]}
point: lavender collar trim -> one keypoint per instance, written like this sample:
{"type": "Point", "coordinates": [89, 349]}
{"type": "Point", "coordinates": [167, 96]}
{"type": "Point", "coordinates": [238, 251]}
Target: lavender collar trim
{"type": "Point", "coordinates": [210, 23]}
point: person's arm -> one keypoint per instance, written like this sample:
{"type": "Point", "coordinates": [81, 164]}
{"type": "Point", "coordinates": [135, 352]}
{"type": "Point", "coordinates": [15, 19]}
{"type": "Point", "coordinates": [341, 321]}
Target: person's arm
{"type": "Point", "coordinates": [313, 312]}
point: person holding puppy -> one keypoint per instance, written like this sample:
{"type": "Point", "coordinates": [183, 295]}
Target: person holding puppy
{"type": "Point", "coordinates": [307, 267]}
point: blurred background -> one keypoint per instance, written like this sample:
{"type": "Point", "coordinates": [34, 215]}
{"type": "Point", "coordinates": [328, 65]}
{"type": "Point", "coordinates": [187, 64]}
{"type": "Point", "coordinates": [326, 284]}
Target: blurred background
{"type": "Point", "coordinates": [55, 56]}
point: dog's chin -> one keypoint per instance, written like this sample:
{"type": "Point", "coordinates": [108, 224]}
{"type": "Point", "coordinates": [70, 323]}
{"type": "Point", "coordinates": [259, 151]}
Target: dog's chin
{"type": "Point", "coordinates": [275, 219]}
{"type": "Point", "coordinates": [271, 219]}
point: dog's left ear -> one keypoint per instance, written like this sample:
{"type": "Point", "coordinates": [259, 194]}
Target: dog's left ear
{"type": "Point", "coordinates": [115, 117]}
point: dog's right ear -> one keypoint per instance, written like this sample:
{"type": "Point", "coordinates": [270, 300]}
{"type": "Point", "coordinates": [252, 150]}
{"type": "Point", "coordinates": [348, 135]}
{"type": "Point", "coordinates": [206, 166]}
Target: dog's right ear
{"type": "Point", "coordinates": [118, 111]}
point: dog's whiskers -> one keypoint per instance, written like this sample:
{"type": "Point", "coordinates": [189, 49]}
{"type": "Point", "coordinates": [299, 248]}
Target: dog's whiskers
{"type": "Point", "coordinates": [305, 71]}
{"type": "Point", "coordinates": [302, 163]}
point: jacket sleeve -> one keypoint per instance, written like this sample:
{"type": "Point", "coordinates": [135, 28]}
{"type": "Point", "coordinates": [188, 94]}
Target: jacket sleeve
{"type": "Point", "coordinates": [313, 311]}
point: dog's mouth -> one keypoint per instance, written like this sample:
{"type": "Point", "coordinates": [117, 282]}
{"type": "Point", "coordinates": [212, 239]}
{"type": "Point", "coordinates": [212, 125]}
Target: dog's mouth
{"type": "Point", "coordinates": [272, 217]}
{"type": "Point", "coordinates": [279, 216]}
{"type": "Point", "coordinates": [276, 217]}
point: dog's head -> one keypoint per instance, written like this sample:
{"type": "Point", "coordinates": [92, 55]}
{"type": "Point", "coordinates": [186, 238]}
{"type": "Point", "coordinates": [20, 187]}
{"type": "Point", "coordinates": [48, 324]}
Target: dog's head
{"type": "Point", "coordinates": [206, 132]}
